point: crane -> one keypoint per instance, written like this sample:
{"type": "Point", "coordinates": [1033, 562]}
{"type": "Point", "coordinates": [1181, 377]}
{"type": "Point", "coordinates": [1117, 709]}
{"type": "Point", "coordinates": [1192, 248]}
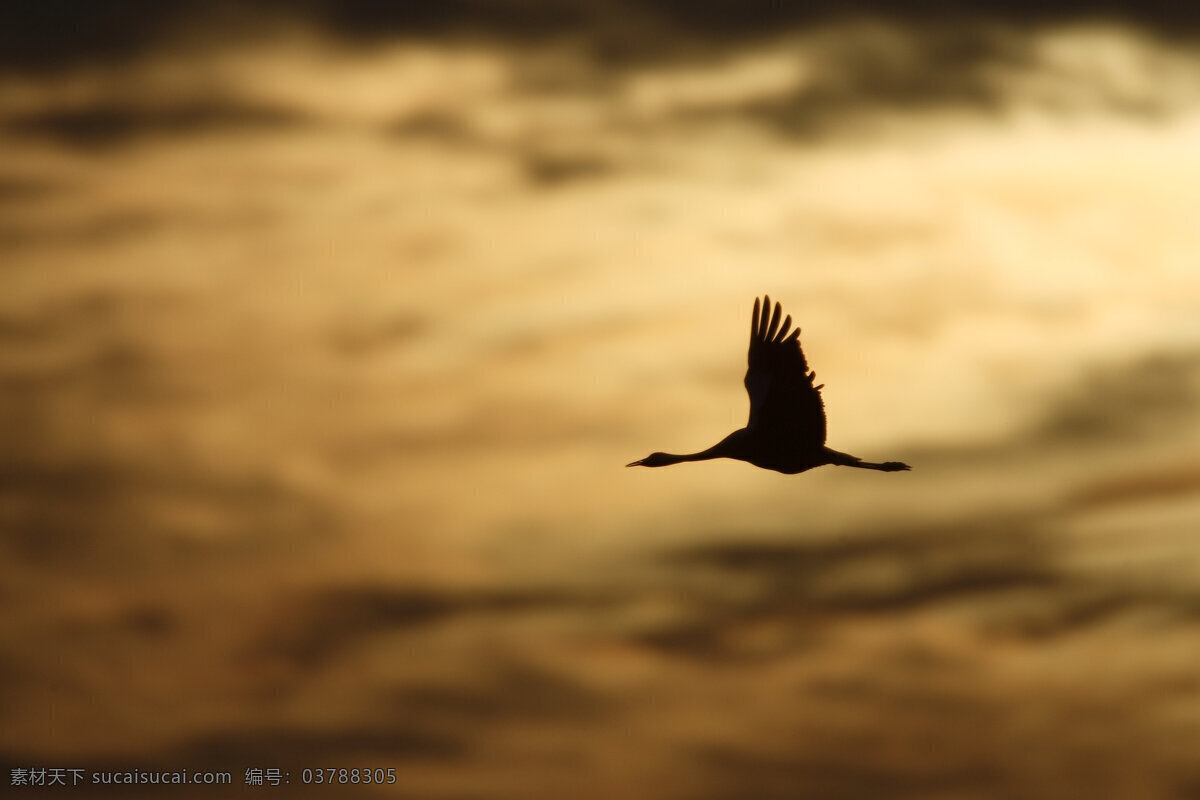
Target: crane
{"type": "Point", "coordinates": [786, 429]}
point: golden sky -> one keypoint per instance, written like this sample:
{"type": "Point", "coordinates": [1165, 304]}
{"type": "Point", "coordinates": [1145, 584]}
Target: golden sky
{"type": "Point", "coordinates": [322, 359]}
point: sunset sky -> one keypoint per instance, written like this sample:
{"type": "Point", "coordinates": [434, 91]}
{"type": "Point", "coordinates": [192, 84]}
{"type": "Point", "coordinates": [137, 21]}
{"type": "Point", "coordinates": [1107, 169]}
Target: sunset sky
{"type": "Point", "coordinates": [325, 335]}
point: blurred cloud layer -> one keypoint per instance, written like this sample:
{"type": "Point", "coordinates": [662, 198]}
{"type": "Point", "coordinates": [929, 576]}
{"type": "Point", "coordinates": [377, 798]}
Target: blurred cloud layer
{"type": "Point", "coordinates": [321, 354]}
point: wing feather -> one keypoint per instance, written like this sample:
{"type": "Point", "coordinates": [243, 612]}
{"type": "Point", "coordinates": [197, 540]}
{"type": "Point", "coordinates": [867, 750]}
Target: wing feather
{"type": "Point", "coordinates": [770, 336]}
{"type": "Point", "coordinates": [784, 403]}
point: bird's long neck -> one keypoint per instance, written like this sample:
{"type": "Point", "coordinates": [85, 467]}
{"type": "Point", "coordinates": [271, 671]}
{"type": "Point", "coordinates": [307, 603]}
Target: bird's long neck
{"type": "Point", "coordinates": [718, 450]}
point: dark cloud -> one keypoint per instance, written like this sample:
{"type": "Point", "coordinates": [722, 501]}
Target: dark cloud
{"type": "Point", "coordinates": [19, 188]}
{"type": "Point", "coordinates": [72, 498]}
{"type": "Point", "coordinates": [102, 227]}
{"type": "Point", "coordinates": [115, 122]}
{"type": "Point", "coordinates": [1007, 567]}
{"type": "Point", "coordinates": [1147, 397]}
{"type": "Point", "coordinates": [324, 625]}
{"type": "Point", "coordinates": [441, 126]}
{"type": "Point", "coordinates": [64, 318]}
{"type": "Point", "coordinates": [510, 691]}
{"type": "Point", "coordinates": [740, 773]}
{"type": "Point", "coordinates": [45, 34]}
{"type": "Point", "coordinates": [1143, 400]}
{"type": "Point", "coordinates": [100, 514]}
{"type": "Point", "coordinates": [1160, 483]}
{"type": "Point", "coordinates": [364, 335]}
{"type": "Point", "coordinates": [544, 169]}
{"type": "Point", "coordinates": [871, 68]}
{"type": "Point", "coordinates": [808, 583]}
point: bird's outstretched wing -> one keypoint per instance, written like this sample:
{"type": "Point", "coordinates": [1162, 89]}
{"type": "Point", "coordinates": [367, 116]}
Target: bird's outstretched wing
{"type": "Point", "coordinates": [783, 401]}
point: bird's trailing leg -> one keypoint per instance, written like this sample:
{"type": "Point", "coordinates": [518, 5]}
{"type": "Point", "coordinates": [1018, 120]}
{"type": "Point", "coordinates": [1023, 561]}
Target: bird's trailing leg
{"type": "Point", "coordinates": [847, 460]}
{"type": "Point", "coordinates": [886, 466]}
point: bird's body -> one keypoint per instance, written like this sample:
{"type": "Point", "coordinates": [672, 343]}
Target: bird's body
{"type": "Point", "coordinates": [786, 429]}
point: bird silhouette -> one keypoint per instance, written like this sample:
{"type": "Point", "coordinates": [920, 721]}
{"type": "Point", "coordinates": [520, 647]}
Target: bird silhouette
{"type": "Point", "coordinates": [786, 430]}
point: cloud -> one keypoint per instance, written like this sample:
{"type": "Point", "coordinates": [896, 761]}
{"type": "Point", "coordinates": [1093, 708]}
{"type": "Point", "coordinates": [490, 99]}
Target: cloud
{"type": "Point", "coordinates": [116, 122]}
{"type": "Point", "coordinates": [1149, 396]}
{"type": "Point", "coordinates": [34, 37]}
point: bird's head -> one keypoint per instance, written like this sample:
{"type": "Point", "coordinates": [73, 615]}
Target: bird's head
{"type": "Point", "coordinates": [653, 460]}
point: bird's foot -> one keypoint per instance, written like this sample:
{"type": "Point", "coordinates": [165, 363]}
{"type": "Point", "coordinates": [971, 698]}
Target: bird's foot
{"type": "Point", "coordinates": [895, 466]}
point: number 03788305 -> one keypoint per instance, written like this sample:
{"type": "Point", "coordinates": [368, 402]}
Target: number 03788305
{"type": "Point", "coordinates": [342, 775]}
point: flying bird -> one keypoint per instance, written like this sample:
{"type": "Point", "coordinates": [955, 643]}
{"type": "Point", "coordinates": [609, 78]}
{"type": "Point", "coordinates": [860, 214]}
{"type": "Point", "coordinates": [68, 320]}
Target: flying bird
{"type": "Point", "coordinates": [786, 430]}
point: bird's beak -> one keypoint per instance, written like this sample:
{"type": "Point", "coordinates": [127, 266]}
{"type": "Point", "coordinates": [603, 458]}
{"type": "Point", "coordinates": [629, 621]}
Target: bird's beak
{"type": "Point", "coordinates": [637, 463]}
